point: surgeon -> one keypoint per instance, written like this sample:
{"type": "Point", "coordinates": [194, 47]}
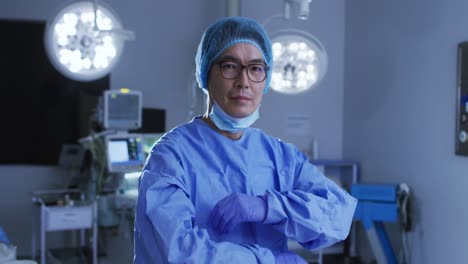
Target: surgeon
{"type": "Point", "coordinates": [216, 190]}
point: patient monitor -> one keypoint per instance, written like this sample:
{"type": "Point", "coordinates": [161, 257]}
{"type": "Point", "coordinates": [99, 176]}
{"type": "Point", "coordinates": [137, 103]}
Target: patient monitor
{"type": "Point", "coordinates": [118, 112]}
{"type": "Point", "coordinates": [124, 152]}
{"type": "Point", "coordinates": [121, 110]}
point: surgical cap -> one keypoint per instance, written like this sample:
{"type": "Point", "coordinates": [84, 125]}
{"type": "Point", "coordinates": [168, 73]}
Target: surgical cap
{"type": "Point", "coordinates": [224, 34]}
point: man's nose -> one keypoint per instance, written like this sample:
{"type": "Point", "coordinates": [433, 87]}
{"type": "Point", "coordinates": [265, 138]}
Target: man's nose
{"type": "Point", "coordinates": [243, 78]}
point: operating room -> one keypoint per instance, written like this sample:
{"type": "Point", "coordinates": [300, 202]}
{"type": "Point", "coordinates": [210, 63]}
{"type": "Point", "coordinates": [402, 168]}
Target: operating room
{"type": "Point", "coordinates": [388, 103]}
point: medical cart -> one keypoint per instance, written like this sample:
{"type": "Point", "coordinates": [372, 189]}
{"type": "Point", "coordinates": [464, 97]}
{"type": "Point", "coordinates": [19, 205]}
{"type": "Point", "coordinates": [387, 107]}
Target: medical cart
{"type": "Point", "coordinates": [57, 214]}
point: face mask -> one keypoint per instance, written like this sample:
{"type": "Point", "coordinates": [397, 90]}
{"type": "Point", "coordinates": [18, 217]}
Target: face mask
{"type": "Point", "coordinates": [225, 122]}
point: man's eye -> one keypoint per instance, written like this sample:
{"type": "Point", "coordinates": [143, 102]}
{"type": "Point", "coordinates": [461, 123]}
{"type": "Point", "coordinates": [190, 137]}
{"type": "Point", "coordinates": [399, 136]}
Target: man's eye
{"type": "Point", "coordinates": [257, 68]}
{"type": "Point", "coordinates": [229, 66]}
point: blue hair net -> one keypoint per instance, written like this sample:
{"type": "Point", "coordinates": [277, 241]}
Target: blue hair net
{"type": "Point", "coordinates": [224, 34]}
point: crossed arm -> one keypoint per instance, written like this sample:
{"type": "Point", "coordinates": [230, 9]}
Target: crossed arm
{"type": "Point", "coordinates": [315, 212]}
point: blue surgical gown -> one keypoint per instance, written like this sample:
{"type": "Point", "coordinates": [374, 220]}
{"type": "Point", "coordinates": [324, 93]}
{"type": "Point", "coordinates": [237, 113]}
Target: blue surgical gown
{"type": "Point", "coordinates": [193, 167]}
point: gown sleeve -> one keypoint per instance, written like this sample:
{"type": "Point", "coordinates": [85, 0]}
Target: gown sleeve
{"type": "Point", "coordinates": [168, 206]}
{"type": "Point", "coordinates": [313, 210]}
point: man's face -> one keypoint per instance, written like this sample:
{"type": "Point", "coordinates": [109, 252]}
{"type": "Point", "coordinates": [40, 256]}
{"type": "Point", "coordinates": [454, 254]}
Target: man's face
{"type": "Point", "coordinates": [238, 97]}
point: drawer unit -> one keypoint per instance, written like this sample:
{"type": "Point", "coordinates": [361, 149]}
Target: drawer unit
{"type": "Point", "coordinates": [68, 217]}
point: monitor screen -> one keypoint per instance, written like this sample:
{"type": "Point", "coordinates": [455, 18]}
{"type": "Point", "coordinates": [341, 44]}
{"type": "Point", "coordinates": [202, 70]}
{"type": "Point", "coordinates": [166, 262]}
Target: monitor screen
{"type": "Point", "coordinates": [124, 153]}
{"type": "Point", "coordinates": [119, 151]}
{"type": "Point", "coordinates": [122, 110]}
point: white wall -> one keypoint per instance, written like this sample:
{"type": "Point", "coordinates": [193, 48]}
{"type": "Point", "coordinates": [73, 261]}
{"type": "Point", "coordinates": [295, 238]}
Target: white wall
{"type": "Point", "coordinates": [399, 113]}
{"type": "Point", "coordinates": [160, 62]}
{"type": "Point", "coordinates": [322, 105]}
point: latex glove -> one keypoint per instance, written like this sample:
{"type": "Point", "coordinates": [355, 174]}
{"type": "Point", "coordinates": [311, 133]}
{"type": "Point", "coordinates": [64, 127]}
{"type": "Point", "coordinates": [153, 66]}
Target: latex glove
{"type": "Point", "coordinates": [3, 237]}
{"type": "Point", "coordinates": [289, 258]}
{"type": "Point", "coordinates": [237, 208]}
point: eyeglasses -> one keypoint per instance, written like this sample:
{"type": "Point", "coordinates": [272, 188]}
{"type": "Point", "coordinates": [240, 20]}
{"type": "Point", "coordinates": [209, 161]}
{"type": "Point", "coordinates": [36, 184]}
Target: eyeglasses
{"type": "Point", "coordinates": [231, 70]}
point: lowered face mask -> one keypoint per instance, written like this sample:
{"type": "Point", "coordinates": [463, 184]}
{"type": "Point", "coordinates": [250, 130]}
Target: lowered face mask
{"type": "Point", "coordinates": [232, 124]}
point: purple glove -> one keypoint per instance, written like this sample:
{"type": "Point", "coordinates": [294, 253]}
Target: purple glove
{"type": "Point", "coordinates": [237, 208]}
{"type": "Point", "coordinates": [289, 258]}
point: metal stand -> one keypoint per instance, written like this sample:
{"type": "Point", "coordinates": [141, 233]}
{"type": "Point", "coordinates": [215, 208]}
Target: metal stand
{"type": "Point", "coordinates": [378, 204]}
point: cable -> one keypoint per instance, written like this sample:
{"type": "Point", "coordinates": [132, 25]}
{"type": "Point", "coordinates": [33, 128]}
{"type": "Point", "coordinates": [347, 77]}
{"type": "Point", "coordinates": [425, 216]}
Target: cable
{"type": "Point", "coordinates": [193, 97]}
{"type": "Point", "coordinates": [405, 221]}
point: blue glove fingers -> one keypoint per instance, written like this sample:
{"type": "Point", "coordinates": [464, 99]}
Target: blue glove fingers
{"type": "Point", "coordinates": [237, 208]}
{"type": "Point", "coordinates": [227, 219]}
{"type": "Point", "coordinates": [216, 215]}
{"type": "Point", "coordinates": [229, 226]}
{"type": "Point", "coordinates": [222, 214]}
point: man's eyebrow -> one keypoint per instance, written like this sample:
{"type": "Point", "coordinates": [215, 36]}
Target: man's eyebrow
{"type": "Point", "coordinates": [229, 58]}
{"type": "Point", "coordinates": [232, 58]}
{"type": "Point", "coordinates": [260, 61]}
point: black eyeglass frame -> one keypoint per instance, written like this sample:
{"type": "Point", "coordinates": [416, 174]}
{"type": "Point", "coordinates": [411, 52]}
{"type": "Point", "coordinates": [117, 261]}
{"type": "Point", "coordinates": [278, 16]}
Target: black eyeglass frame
{"type": "Point", "coordinates": [243, 66]}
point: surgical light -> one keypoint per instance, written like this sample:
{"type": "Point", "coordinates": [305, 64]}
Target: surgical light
{"type": "Point", "coordinates": [300, 61]}
{"type": "Point", "coordinates": [85, 39]}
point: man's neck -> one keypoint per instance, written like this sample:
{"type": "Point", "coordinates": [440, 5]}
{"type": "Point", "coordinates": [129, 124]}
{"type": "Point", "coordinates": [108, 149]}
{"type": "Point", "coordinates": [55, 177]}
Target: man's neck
{"type": "Point", "coordinates": [230, 135]}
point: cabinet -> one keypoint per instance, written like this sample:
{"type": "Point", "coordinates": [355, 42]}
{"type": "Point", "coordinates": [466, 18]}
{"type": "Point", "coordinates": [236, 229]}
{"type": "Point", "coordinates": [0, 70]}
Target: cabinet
{"type": "Point", "coordinates": [80, 215]}
{"type": "Point", "coordinates": [345, 173]}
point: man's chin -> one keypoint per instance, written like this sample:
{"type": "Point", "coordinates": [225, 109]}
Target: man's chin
{"type": "Point", "coordinates": [240, 114]}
